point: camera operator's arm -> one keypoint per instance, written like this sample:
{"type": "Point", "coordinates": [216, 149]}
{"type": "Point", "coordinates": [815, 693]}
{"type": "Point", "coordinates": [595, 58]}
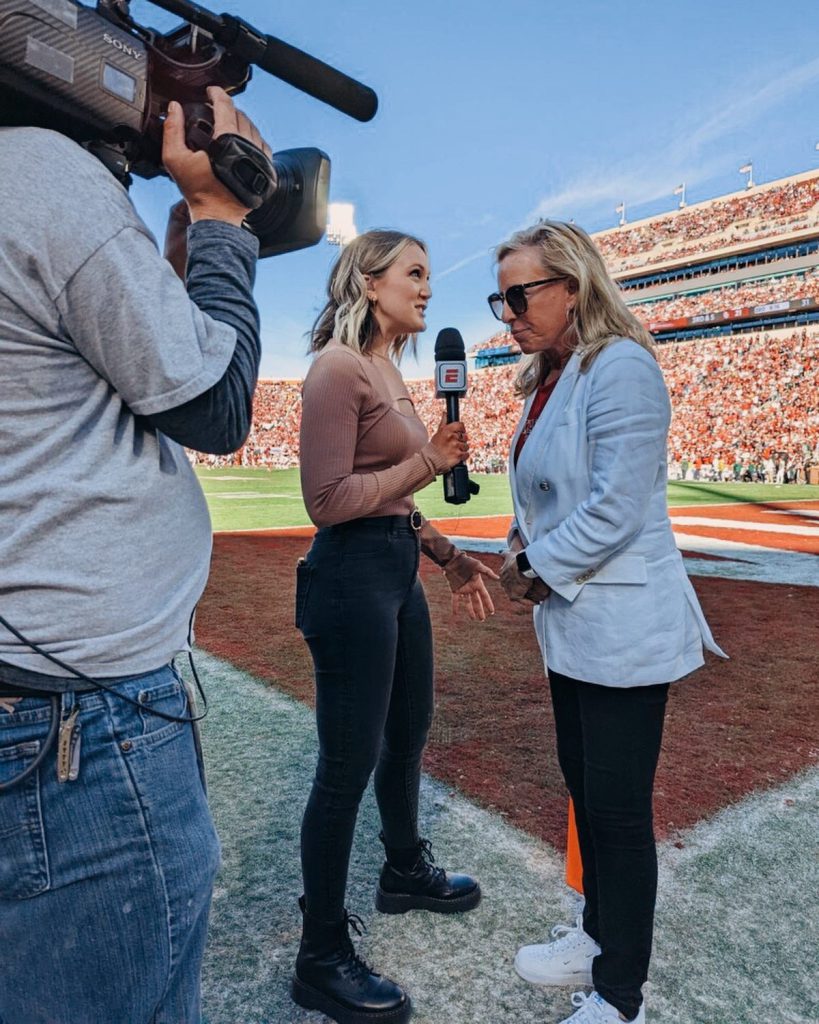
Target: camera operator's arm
{"type": "Point", "coordinates": [129, 316]}
{"type": "Point", "coordinates": [219, 419]}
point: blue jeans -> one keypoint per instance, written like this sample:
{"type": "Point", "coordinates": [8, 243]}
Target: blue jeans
{"type": "Point", "coordinates": [105, 882]}
{"type": "Point", "coordinates": [608, 745]}
{"type": "Point", "coordinates": [364, 615]}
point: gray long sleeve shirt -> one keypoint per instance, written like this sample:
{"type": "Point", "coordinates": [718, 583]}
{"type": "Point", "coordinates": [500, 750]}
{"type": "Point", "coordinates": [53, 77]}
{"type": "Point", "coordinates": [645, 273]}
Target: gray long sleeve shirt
{"type": "Point", "coordinates": [104, 532]}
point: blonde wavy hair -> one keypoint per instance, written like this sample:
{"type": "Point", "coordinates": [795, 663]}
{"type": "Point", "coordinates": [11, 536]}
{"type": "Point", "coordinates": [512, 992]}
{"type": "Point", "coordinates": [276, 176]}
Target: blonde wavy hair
{"type": "Point", "coordinates": [600, 314]}
{"type": "Point", "coordinates": [348, 316]}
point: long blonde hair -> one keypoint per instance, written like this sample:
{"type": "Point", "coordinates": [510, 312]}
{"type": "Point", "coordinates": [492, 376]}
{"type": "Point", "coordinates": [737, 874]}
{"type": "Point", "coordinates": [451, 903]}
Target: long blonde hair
{"type": "Point", "coordinates": [599, 316]}
{"type": "Point", "coordinates": [347, 316]}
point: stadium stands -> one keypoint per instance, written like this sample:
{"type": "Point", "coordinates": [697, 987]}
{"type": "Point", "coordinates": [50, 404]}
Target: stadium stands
{"type": "Point", "coordinates": [780, 209]}
{"type": "Point", "coordinates": [799, 285]}
{"type": "Point", "coordinates": [745, 407]}
{"type": "Point", "coordinates": [739, 343]}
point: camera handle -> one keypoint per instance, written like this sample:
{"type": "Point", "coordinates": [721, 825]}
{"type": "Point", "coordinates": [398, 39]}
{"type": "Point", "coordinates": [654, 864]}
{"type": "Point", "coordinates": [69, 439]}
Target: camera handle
{"type": "Point", "coordinates": [240, 165]}
{"type": "Point", "coordinates": [291, 65]}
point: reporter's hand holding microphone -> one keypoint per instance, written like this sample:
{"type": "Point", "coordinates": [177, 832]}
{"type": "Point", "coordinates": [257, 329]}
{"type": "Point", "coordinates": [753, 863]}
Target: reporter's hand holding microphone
{"type": "Point", "coordinates": [451, 441]}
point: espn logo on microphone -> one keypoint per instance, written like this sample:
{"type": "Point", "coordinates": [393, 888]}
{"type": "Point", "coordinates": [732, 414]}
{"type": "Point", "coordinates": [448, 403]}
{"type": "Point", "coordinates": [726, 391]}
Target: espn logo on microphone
{"type": "Point", "coordinates": [450, 378]}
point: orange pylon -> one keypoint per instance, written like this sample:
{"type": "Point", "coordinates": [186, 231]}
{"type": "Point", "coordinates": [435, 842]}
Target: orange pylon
{"type": "Point", "coordinates": [574, 865]}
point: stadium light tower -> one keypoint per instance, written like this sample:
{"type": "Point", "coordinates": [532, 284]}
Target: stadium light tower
{"type": "Point", "coordinates": [341, 227]}
{"type": "Point", "coordinates": [621, 209]}
{"type": "Point", "coordinates": [680, 191]}
{"type": "Point", "coordinates": [749, 170]}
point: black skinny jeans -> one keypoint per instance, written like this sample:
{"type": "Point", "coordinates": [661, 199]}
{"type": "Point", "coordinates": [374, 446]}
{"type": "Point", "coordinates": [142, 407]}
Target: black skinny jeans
{"type": "Point", "coordinates": [364, 615]}
{"type": "Point", "coordinates": [608, 744]}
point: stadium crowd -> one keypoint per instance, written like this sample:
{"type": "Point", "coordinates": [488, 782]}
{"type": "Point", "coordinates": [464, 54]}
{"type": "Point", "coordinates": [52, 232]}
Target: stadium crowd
{"type": "Point", "coordinates": [273, 441]}
{"type": "Point", "coordinates": [759, 213]}
{"type": "Point", "coordinates": [795, 286]}
{"type": "Point", "coordinates": [746, 407]}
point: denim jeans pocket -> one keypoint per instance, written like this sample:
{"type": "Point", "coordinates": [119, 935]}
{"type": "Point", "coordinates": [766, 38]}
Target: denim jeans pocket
{"type": "Point", "coordinates": [23, 858]}
{"type": "Point", "coordinates": [167, 698]}
{"type": "Point", "coordinates": [304, 573]}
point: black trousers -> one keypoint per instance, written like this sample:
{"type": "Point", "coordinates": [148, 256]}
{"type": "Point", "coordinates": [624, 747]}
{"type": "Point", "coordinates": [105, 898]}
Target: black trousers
{"type": "Point", "coordinates": [608, 744]}
{"type": "Point", "coordinates": [364, 615]}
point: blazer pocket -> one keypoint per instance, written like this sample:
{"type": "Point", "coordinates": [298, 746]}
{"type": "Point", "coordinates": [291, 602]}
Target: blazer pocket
{"type": "Point", "coordinates": [568, 420]}
{"type": "Point", "coordinates": [622, 569]}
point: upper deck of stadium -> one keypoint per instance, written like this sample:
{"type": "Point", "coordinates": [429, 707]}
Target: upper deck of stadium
{"type": "Point", "coordinates": [774, 214]}
{"type": "Point", "coordinates": [746, 260]}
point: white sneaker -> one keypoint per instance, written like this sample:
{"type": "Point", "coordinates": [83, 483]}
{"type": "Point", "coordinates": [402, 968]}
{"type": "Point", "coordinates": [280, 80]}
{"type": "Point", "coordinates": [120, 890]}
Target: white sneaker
{"type": "Point", "coordinates": [567, 960]}
{"type": "Point", "coordinates": [594, 1009]}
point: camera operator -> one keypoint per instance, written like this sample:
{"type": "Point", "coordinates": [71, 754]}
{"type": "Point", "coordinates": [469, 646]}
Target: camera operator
{"type": "Point", "coordinates": [107, 366]}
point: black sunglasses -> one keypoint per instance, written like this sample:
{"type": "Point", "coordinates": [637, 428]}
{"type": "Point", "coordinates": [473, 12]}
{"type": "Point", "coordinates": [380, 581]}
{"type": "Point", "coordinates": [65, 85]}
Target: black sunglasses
{"type": "Point", "coordinates": [515, 297]}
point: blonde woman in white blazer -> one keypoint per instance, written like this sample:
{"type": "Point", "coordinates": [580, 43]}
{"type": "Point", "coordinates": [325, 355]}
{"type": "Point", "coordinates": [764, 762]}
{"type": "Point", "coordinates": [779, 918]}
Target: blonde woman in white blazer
{"type": "Point", "coordinates": [617, 620]}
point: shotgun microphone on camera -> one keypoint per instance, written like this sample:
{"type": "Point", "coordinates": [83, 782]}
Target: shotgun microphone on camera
{"type": "Point", "coordinates": [450, 384]}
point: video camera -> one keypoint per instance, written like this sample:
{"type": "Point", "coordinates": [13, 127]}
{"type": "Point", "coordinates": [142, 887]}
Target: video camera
{"type": "Point", "coordinates": [106, 82]}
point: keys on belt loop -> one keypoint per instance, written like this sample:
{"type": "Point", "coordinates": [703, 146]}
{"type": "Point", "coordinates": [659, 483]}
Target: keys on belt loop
{"type": "Point", "coordinates": [416, 520]}
{"type": "Point", "coordinates": [68, 747]}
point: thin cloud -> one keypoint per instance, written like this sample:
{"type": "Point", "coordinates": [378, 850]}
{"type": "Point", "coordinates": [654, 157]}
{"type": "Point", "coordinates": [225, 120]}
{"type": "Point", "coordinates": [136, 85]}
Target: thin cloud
{"type": "Point", "coordinates": [745, 107]}
{"type": "Point", "coordinates": [681, 157]}
{"type": "Point", "coordinates": [479, 254]}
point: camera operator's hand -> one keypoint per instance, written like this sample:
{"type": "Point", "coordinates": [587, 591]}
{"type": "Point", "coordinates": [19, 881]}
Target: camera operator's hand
{"type": "Point", "coordinates": [206, 196]}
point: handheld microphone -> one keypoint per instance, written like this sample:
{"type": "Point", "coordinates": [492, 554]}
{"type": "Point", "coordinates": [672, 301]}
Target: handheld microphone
{"type": "Point", "coordinates": [450, 384]}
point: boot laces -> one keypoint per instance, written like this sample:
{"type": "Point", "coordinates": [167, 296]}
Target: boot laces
{"type": "Point", "coordinates": [357, 966]}
{"type": "Point", "coordinates": [425, 857]}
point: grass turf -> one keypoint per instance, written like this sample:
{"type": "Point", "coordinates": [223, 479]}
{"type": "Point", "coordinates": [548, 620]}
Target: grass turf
{"type": "Point", "coordinates": [259, 499]}
{"type": "Point", "coordinates": [736, 921]}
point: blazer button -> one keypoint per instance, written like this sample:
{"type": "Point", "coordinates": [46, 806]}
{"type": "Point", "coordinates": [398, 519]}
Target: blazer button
{"type": "Point", "coordinates": [544, 485]}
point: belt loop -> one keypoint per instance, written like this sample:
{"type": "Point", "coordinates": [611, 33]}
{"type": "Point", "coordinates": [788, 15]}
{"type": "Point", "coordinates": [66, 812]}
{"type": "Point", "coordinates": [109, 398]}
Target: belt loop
{"type": "Point", "coordinates": [67, 701]}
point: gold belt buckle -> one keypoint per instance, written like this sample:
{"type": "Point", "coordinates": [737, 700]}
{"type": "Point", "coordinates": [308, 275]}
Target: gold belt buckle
{"type": "Point", "coordinates": [416, 520]}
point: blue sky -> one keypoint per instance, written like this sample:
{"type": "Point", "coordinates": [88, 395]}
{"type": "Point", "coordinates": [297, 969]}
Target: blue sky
{"type": "Point", "coordinates": [492, 114]}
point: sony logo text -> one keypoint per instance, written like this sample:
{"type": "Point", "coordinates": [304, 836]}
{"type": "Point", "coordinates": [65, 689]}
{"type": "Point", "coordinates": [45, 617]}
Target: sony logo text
{"type": "Point", "coordinates": [122, 46]}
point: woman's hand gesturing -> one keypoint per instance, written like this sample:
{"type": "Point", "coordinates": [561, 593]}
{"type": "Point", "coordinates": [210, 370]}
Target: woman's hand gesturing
{"type": "Point", "coordinates": [478, 599]}
{"type": "Point", "coordinates": [451, 441]}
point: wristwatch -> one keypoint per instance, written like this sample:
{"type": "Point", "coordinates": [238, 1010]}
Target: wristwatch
{"type": "Point", "coordinates": [524, 568]}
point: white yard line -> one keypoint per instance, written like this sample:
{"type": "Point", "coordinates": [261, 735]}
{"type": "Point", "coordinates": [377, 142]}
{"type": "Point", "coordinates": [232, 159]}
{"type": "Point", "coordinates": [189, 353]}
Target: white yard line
{"type": "Point", "coordinates": [249, 496]}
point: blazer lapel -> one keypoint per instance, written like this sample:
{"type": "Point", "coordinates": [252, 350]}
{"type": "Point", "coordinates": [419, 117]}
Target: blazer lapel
{"type": "Point", "coordinates": [527, 405]}
{"type": "Point", "coordinates": [543, 429]}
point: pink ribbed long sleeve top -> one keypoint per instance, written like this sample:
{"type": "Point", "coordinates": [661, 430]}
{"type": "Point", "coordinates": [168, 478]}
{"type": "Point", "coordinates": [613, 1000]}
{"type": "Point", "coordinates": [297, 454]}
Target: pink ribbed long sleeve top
{"type": "Point", "coordinates": [362, 456]}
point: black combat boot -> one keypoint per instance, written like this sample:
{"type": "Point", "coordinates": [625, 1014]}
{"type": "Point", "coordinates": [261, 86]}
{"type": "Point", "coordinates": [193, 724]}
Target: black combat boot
{"type": "Point", "coordinates": [409, 881]}
{"type": "Point", "coordinates": [331, 978]}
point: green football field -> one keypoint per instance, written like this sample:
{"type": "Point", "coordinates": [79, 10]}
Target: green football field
{"type": "Point", "coordinates": [261, 499]}
{"type": "Point", "coordinates": [738, 905]}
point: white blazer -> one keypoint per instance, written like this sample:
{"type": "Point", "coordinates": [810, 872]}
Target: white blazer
{"type": "Point", "coordinates": [589, 495]}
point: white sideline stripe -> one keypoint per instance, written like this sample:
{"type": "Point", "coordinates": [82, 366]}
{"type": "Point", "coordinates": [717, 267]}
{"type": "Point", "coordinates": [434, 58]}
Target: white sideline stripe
{"type": "Point", "coordinates": [747, 882]}
{"type": "Point", "coordinates": [735, 504]}
{"type": "Point", "coordinates": [755, 563]}
{"type": "Point", "coordinates": [809, 513]}
{"type": "Point", "coordinates": [741, 524]}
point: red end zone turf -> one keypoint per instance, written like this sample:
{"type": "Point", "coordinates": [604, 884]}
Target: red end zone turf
{"type": "Point", "coordinates": [733, 727]}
